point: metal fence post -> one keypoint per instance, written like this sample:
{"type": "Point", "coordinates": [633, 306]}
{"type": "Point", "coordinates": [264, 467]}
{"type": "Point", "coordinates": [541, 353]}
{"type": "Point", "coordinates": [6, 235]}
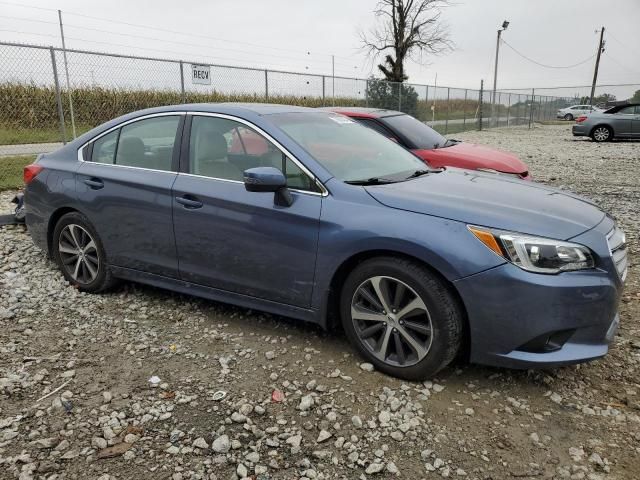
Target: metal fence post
{"type": "Point", "coordinates": [366, 92]}
{"type": "Point", "coordinates": [426, 99]}
{"type": "Point", "coordinates": [508, 110]}
{"type": "Point", "coordinates": [182, 81]}
{"type": "Point", "coordinates": [63, 132]}
{"type": "Point", "coordinates": [266, 84]}
{"type": "Point", "coordinates": [464, 110]}
{"type": "Point", "coordinates": [446, 121]}
{"type": "Point", "coordinates": [533, 99]}
{"type": "Point", "coordinates": [323, 81]}
{"type": "Point", "coordinates": [480, 105]}
{"type": "Point", "coordinates": [400, 96]}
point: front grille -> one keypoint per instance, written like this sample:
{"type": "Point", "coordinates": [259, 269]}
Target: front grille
{"type": "Point", "coordinates": [618, 249]}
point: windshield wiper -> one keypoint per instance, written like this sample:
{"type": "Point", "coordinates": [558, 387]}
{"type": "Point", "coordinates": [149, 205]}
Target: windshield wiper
{"type": "Point", "coordinates": [419, 173]}
{"type": "Point", "coordinates": [450, 142]}
{"type": "Point", "coordinates": [370, 181]}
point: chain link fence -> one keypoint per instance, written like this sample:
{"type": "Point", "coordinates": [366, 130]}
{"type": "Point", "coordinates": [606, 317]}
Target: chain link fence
{"type": "Point", "coordinates": [41, 105]}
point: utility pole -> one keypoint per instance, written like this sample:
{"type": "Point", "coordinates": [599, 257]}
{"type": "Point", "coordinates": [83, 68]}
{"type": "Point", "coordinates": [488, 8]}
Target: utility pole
{"type": "Point", "coordinates": [505, 24]}
{"type": "Point", "coordinates": [66, 70]}
{"type": "Point", "coordinates": [595, 72]}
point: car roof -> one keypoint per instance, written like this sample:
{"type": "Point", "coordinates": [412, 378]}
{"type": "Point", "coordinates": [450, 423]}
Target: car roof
{"type": "Point", "coordinates": [363, 112]}
{"type": "Point", "coordinates": [617, 108]}
{"type": "Point", "coordinates": [230, 107]}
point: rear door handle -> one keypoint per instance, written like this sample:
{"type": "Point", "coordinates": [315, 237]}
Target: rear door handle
{"type": "Point", "coordinates": [189, 201]}
{"type": "Point", "coordinates": [94, 183]}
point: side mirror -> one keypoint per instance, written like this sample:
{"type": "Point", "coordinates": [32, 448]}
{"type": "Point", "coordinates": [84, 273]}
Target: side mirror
{"type": "Point", "coordinates": [268, 179]}
{"type": "Point", "coordinates": [264, 179]}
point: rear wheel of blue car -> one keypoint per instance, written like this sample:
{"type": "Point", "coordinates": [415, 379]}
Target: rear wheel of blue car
{"type": "Point", "coordinates": [79, 253]}
{"type": "Point", "coordinates": [401, 317]}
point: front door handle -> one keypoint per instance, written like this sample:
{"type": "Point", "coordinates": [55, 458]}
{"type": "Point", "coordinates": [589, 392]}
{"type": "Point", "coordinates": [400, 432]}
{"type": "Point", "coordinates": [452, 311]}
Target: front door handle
{"type": "Point", "coordinates": [189, 201]}
{"type": "Point", "coordinates": [94, 183]}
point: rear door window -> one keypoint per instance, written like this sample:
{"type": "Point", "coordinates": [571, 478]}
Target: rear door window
{"type": "Point", "coordinates": [148, 143]}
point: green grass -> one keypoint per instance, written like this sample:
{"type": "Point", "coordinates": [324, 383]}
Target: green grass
{"type": "Point", "coordinates": [11, 171]}
{"type": "Point", "coordinates": [11, 135]}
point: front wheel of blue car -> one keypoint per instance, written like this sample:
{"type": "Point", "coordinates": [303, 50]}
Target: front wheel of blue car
{"type": "Point", "coordinates": [401, 317]}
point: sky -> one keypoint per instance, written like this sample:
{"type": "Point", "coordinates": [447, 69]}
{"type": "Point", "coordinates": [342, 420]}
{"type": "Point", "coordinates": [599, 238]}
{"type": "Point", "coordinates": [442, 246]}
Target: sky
{"type": "Point", "coordinates": [302, 36]}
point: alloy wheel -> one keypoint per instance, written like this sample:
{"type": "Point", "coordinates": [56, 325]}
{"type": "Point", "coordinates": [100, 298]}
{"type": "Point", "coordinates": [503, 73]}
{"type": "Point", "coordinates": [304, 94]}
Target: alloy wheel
{"type": "Point", "coordinates": [601, 134]}
{"type": "Point", "coordinates": [78, 254]}
{"type": "Point", "coordinates": [391, 321]}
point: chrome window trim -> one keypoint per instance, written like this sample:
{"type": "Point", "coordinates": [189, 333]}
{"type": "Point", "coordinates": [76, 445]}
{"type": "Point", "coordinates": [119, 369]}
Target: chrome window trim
{"type": "Point", "coordinates": [323, 190]}
{"type": "Point", "coordinates": [120, 125]}
{"type": "Point", "coordinates": [306, 192]}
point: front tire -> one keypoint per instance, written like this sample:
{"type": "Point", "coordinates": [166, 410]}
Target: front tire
{"type": "Point", "coordinates": [602, 133]}
{"type": "Point", "coordinates": [568, 117]}
{"type": "Point", "coordinates": [79, 253]}
{"type": "Point", "coordinates": [401, 317]}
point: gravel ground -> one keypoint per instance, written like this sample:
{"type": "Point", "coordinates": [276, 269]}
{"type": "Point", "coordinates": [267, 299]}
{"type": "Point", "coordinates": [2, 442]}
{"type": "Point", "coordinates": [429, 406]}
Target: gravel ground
{"type": "Point", "coordinates": [123, 385]}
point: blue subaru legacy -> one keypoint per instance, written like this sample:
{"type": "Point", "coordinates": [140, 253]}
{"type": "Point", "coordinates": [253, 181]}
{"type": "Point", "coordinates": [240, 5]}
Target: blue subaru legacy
{"type": "Point", "coordinates": [308, 214]}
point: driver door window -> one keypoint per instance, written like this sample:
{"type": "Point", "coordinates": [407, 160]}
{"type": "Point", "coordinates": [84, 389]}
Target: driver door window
{"type": "Point", "coordinates": [224, 149]}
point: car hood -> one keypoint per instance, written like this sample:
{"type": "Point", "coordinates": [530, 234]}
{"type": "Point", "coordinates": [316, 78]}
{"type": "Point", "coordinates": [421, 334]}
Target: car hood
{"type": "Point", "coordinates": [473, 156]}
{"type": "Point", "coordinates": [489, 200]}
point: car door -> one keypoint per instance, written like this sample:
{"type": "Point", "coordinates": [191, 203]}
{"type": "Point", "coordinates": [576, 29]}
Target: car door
{"type": "Point", "coordinates": [124, 188]}
{"type": "Point", "coordinates": [239, 241]}
{"type": "Point", "coordinates": [635, 123]}
{"type": "Point", "coordinates": [622, 121]}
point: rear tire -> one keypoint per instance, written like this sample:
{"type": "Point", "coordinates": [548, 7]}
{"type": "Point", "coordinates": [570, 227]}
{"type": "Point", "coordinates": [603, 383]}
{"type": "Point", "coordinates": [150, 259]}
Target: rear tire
{"type": "Point", "coordinates": [602, 133]}
{"type": "Point", "coordinates": [401, 317]}
{"type": "Point", "coordinates": [568, 117]}
{"type": "Point", "coordinates": [79, 253]}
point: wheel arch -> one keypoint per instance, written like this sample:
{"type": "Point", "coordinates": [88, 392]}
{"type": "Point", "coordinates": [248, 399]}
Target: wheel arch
{"type": "Point", "coordinates": [331, 316]}
{"type": "Point", "coordinates": [53, 221]}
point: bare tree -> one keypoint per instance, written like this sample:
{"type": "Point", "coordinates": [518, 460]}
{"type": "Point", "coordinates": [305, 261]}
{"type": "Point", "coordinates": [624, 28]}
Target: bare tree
{"type": "Point", "coordinates": [407, 29]}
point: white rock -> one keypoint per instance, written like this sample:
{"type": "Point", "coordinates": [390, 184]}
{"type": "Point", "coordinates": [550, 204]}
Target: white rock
{"type": "Point", "coordinates": [98, 443]}
{"type": "Point", "coordinates": [221, 444]}
{"type": "Point", "coordinates": [324, 435]}
{"type": "Point", "coordinates": [367, 367]}
{"type": "Point", "coordinates": [200, 443]}
{"type": "Point", "coordinates": [306, 403]}
{"type": "Point", "coordinates": [374, 467]}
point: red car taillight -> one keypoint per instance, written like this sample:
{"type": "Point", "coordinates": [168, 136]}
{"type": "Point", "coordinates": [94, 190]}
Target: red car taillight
{"type": "Point", "coordinates": [30, 172]}
{"type": "Point", "coordinates": [581, 119]}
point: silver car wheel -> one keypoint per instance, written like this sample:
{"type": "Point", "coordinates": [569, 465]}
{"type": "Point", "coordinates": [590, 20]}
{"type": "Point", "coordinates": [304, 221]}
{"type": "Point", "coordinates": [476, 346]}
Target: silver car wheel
{"type": "Point", "coordinates": [78, 254]}
{"type": "Point", "coordinates": [601, 134]}
{"type": "Point", "coordinates": [391, 321]}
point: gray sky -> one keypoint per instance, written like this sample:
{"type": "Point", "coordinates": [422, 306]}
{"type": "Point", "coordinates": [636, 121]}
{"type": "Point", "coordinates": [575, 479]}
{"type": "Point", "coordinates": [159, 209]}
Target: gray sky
{"type": "Point", "coordinates": [301, 35]}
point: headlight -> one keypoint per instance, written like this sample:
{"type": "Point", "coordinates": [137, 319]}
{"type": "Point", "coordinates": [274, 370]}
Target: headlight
{"type": "Point", "coordinates": [535, 254]}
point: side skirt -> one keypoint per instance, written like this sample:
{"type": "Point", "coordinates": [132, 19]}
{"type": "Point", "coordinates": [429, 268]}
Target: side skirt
{"type": "Point", "coordinates": [246, 301]}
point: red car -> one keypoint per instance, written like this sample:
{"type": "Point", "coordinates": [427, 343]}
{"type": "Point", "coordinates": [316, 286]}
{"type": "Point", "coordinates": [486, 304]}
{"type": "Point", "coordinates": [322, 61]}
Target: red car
{"type": "Point", "coordinates": [432, 147]}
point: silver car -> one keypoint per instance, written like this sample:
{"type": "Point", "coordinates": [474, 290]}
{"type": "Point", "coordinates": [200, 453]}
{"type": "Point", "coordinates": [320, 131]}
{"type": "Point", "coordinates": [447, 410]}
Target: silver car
{"type": "Point", "coordinates": [622, 121]}
{"type": "Point", "coordinates": [575, 111]}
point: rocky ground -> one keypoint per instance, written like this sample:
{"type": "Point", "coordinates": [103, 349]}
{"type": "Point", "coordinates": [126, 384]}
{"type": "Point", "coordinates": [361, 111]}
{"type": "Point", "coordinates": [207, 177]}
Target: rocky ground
{"type": "Point", "coordinates": [125, 384]}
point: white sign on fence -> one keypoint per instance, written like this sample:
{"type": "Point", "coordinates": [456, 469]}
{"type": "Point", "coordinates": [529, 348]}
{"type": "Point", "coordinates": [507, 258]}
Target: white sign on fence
{"type": "Point", "coordinates": [201, 74]}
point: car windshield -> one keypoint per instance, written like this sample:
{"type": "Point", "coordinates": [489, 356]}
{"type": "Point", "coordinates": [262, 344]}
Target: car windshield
{"type": "Point", "coordinates": [415, 132]}
{"type": "Point", "coordinates": [350, 151]}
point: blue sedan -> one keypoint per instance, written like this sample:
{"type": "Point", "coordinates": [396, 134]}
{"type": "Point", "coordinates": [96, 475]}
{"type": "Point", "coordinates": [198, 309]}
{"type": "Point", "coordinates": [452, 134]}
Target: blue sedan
{"type": "Point", "coordinates": [310, 215]}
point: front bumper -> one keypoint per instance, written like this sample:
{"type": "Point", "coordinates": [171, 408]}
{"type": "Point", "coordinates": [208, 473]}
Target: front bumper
{"type": "Point", "coordinates": [519, 319]}
{"type": "Point", "coordinates": [580, 130]}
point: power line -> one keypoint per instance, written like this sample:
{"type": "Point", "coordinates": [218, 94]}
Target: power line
{"type": "Point", "coordinates": [303, 58]}
{"type": "Point", "coordinates": [165, 30]}
{"type": "Point", "coordinates": [544, 65]}
{"type": "Point", "coordinates": [215, 60]}
{"type": "Point", "coordinates": [620, 64]}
